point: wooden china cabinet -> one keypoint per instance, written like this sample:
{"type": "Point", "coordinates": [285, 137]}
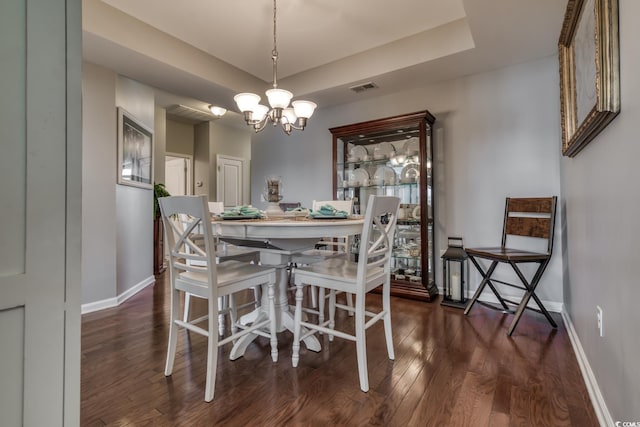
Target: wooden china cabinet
{"type": "Point", "coordinates": [394, 156]}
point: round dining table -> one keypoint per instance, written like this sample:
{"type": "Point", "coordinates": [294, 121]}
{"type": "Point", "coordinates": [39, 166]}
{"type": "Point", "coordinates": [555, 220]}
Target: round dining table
{"type": "Point", "coordinates": [278, 240]}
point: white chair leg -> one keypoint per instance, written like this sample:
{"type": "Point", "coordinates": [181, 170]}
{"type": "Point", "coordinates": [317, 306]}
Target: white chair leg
{"type": "Point", "coordinates": [349, 298]}
{"type": "Point", "coordinates": [361, 344]}
{"type": "Point", "coordinates": [233, 313]}
{"type": "Point", "coordinates": [332, 311]}
{"type": "Point", "coordinates": [256, 296]}
{"type": "Point", "coordinates": [313, 296]}
{"type": "Point", "coordinates": [272, 326]}
{"type": "Point", "coordinates": [187, 304]}
{"type": "Point", "coordinates": [212, 354]}
{"type": "Point", "coordinates": [173, 332]}
{"type": "Point", "coordinates": [320, 303]}
{"type": "Point", "coordinates": [222, 306]}
{"type": "Point", "coordinates": [295, 354]}
{"type": "Point", "coordinates": [386, 306]}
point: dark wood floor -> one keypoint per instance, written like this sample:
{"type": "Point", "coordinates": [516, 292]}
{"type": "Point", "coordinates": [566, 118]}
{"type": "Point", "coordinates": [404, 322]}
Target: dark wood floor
{"type": "Point", "coordinates": [450, 370]}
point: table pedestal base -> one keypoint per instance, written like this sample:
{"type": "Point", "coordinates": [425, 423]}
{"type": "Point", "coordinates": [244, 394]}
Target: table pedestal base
{"type": "Point", "coordinates": [284, 313]}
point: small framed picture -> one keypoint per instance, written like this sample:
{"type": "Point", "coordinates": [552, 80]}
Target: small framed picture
{"type": "Point", "coordinates": [135, 151]}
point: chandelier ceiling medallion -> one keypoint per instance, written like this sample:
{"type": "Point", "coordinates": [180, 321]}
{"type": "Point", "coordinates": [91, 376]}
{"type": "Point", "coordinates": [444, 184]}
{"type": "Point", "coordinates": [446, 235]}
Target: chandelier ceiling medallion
{"type": "Point", "coordinates": [258, 115]}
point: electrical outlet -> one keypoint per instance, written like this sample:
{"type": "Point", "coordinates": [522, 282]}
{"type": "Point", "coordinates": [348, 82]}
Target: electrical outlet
{"type": "Point", "coordinates": [600, 324]}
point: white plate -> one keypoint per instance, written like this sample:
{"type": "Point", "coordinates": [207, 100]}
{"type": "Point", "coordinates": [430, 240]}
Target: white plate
{"type": "Point", "coordinates": [358, 175]}
{"type": "Point", "coordinates": [386, 174]}
{"type": "Point", "coordinates": [410, 173]}
{"type": "Point", "coordinates": [383, 150]}
{"type": "Point", "coordinates": [358, 152]}
{"type": "Point", "coordinates": [411, 146]}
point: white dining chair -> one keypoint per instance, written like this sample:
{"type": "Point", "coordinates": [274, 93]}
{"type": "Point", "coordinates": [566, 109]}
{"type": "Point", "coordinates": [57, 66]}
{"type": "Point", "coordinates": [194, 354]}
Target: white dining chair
{"type": "Point", "coordinates": [226, 252]}
{"type": "Point", "coordinates": [208, 280]}
{"type": "Point", "coordinates": [330, 247]}
{"type": "Point", "coordinates": [324, 249]}
{"type": "Point", "coordinates": [343, 275]}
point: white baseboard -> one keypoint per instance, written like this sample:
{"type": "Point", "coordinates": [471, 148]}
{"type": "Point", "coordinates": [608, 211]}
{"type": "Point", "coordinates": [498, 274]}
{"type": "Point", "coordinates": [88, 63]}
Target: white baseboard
{"type": "Point", "coordinates": [599, 405]}
{"type": "Point", "coordinates": [114, 302]}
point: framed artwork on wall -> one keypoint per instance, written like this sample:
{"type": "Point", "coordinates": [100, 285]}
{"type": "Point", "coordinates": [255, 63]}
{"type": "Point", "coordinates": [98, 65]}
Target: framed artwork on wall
{"type": "Point", "coordinates": [135, 151]}
{"type": "Point", "coordinates": [589, 71]}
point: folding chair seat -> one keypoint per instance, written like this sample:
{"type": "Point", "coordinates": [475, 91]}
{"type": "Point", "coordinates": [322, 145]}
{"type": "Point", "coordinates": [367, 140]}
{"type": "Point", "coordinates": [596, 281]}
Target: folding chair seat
{"type": "Point", "coordinates": [193, 269]}
{"type": "Point", "coordinates": [358, 278]}
{"type": "Point", "coordinates": [524, 217]}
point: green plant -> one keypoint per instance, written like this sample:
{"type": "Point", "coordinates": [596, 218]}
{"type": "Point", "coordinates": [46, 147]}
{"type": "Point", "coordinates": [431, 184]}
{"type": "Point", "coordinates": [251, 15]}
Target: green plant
{"type": "Point", "coordinates": [159, 190]}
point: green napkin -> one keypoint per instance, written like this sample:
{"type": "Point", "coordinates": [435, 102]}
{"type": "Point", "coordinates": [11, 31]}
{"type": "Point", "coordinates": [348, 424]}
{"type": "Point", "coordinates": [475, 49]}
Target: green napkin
{"type": "Point", "coordinates": [245, 210]}
{"type": "Point", "coordinates": [328, 210]}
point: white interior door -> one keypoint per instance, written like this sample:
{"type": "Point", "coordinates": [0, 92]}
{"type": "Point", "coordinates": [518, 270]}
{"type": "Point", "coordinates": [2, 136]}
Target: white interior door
{"type": "Point", "coordinates": [230, 173]}
{"type": "Point", "coordinates": [177, 175]}
{"type": "Point", "coordinates": [41, 174]}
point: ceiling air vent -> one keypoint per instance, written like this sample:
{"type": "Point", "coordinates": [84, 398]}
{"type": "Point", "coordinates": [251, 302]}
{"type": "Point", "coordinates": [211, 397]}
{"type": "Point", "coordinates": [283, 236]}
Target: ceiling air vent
{"type": "Point", "coordinates": [362, 87]}
{"type": "Point", "coordinates": [189, 114]}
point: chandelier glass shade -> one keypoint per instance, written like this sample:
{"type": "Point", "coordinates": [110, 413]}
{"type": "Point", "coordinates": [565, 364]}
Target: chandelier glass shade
{"type": "Point", "coordinates": [289, 117]}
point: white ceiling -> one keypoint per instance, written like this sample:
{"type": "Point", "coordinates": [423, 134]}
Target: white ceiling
{"type": "Point", "coordinates": [210, 49]}
{"type": "Point", "coordinates": [311, 33]}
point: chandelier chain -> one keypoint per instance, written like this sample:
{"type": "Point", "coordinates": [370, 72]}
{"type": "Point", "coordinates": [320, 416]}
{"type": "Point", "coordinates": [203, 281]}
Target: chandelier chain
{"type": "Point", "coordinates": [290, 115]}
{"type": "Point", "coordinates": [274, 52]}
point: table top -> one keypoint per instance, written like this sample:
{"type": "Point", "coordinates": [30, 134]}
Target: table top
{"type": "Point", "coordinates": [290, 228]}
{"type": "Point", "coordinates": [286, 234]}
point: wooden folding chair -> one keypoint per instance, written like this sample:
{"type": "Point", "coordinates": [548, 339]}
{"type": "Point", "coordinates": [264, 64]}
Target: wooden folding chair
{"type": "Point", "coordinates": [527, 217]}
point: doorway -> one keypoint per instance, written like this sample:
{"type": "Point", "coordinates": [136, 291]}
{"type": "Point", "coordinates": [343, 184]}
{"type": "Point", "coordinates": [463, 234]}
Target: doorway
{"type": "Point", "coordinates": [230, 180]}
{"type": "Point", "coordinates": [178, 174]}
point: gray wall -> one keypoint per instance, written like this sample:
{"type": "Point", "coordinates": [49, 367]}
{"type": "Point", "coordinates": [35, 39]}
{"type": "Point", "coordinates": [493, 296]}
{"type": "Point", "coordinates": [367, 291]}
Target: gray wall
{"type": "Point", "coordinates": [134, 206]}
{"type": "Point", "coordinates": [117, 220]}
{"type": "Point", "coordinates": [159, 143]}
{"type": "Point", "coordinates": [602, 210]}
{"type": "Point", "coordinates": [98, 183]}
{"type": "Point", "coordinates": [201, 152]}
{"type": "Point", "coordinates": [211, 139]}
{"type": "Point", "coordinates": [485, 149]}
{"type": "Point", "coordinates": [231, 142]}
{"type": "Point", "coordinates": [180, 137]}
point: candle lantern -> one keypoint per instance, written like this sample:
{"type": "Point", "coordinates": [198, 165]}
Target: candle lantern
{"type": "Point", "coordinates": [455, 274]}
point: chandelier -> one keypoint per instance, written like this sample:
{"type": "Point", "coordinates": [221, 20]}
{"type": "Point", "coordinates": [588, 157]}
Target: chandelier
{"type": "Point", "coordinates": [258, 115]}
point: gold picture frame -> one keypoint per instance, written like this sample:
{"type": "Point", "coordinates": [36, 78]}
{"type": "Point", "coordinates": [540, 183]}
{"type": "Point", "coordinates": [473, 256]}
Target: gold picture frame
{"type": "Point", "coordinates": [589, 71]}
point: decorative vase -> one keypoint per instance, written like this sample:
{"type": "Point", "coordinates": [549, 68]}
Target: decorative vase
{"type": "Point", "coordinates": [273, 195]}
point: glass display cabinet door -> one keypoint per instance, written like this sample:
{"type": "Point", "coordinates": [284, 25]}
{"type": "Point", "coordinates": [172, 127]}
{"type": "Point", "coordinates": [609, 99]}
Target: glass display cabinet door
{"type": "Point", "coordinates": [394, 156]}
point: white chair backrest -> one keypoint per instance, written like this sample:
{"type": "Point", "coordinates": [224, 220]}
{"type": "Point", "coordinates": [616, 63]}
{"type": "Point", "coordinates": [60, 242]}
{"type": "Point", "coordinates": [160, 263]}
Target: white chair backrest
{"type": "Point", "coordinates": [190, 238]}
{"type": "Point", "coordinates": [216, 207]}
{"type": "Point", "coordinates": [340, 244]}
{"type": "Point", "coordinates": [341, 205]}
{"type": "Point", "coordinates": [378, 231]}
